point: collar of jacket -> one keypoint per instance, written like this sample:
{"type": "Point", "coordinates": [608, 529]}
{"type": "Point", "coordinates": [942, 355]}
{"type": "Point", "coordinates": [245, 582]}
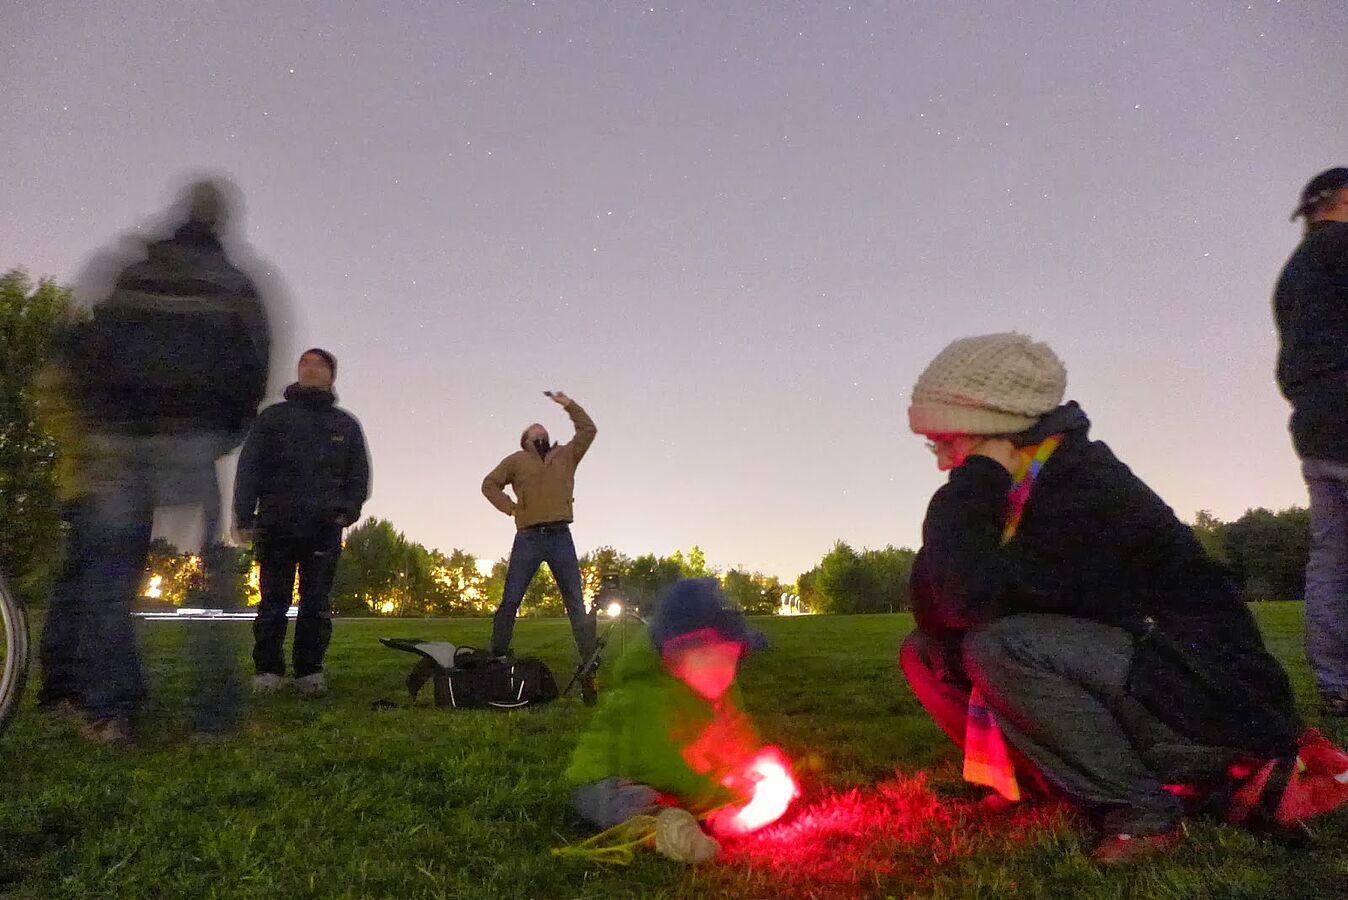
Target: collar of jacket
{"type": "Point", "coordinates": [198, 234]}
{"type": "Point", "coordinates": [1065, 420]}
{"type": "Point", "coordinates": [316, 398]}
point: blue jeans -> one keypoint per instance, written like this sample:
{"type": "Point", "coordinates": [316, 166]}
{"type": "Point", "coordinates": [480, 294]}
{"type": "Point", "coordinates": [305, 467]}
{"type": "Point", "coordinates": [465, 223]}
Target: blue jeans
{"type": "Point", "coordinates": [613, 801]}
{"type": "Point", "coordinates": [551, 544]}
{"type": "Point", "coordinates": [88, 646]}
{"type": "Point", "coordinates": [1327, 574]}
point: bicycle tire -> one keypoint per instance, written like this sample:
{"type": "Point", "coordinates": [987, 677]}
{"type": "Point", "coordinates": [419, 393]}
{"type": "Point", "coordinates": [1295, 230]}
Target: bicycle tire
{"type": "Point", "coordinates": [14, 667]}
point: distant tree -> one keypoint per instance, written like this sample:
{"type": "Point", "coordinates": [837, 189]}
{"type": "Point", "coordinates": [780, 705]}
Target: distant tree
{"type": "Point", "coordinates": [32, 317]}
{"type": "Point", "coordinates": [846, 581]}
{"type": "Point", "coordinates": [648, 576]}
{"type": "Point", "coordinates": [694, 565]}
{"type": "Point", "coordinates": [807, 587]}
{"type": "Point", "coordinates": [602, 566]}
{"type": "Point", "coordinates": [459, 588]}
{"type": "Point", "coordinates": [847, 584]}
{"type": "Point", "coordinates": [1211, 533]}
{"type": "Point", "coordinates": [170, 575]}
{"type": "Point", "coordinates": [754, 593]}
{"type": "Point", "coordinates": [1268, 552]}
{"type": "Point", "coordinates": [381, 571]}
{"type": "Point", "coordinates": [496, 583]}
{"type": "Point", "coordinates": [893, 566]}
{"type": "Point", "coordinates": [542, 598]}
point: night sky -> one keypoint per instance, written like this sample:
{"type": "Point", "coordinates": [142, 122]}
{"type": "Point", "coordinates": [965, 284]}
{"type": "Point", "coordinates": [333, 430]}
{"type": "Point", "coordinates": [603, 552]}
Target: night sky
{"type": "Point", "coordinates": [734, 232]}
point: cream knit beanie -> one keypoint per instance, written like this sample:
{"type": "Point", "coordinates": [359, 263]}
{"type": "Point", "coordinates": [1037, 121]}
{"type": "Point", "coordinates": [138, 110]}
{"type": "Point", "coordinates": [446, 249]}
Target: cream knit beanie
{"type": "Point", "coordinates": [990, 384]}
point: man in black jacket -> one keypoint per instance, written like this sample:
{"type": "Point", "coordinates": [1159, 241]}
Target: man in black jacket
{"type": "Point", "coordinates": [1111, 651]}
{"type": "Point", "coordinates": [303, 477]}
{"type": "Point", "coordinates": [1311, 307]}
{"type": "Point", "coordinates": [167, 374]}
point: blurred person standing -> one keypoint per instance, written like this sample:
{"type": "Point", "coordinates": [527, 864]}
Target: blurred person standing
{"type": "Point", "coordinates": [303, 476]}
{"type": "Point", "coordinates": [165, 375]}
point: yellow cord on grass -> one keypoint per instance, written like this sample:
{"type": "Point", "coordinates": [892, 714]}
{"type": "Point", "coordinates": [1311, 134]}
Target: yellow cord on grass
{"type": "Point", "coordinates": [616, 845]}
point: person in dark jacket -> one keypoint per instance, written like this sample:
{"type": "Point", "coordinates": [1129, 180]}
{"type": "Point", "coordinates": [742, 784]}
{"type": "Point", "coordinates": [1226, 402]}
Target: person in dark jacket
{"type": "Point", "coordinates": [164, 378]}
{"type": "Point", "coordinates": [303, 476]}
{"type": "Point", "coordinates": [1311, 308]}
{"type": "Point", "coordinates": [1110, 651]}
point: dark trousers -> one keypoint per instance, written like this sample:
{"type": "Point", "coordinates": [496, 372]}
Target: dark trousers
{"type": "Point", "coordinates": [551, 544]}
{"type": "Point", "coordinates": [314, 556]}
{"type": "Point", "coordinates": [1057, 687]}
{"type": "Point", "coordinates": [88, 645]}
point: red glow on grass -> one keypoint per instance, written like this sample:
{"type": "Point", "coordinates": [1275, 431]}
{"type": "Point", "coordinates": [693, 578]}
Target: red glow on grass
{"type": "Point", "coordinates": [899, 830]}
{"type": "Point", "coordinates": [772, 789]}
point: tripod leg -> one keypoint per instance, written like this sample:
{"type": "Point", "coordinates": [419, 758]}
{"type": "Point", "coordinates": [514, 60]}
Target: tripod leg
{"type": "Point", "coordinates": [590, 664]}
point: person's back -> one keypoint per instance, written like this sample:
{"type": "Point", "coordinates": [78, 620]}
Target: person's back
{"type": "Point", "coordinates": [1311, 307]}
{"type": "Point", "coordinates": [163, 379]}
{"type": "Point", "coordinates": [181, 344]}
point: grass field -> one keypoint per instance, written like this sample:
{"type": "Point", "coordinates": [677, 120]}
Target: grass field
{"type": "Point", "coordinates": [330, 798]}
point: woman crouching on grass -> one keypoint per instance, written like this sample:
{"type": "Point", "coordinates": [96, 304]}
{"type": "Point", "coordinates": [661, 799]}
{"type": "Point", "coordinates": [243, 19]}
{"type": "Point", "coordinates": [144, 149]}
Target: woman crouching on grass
{"type": "Point", "coordinates": [1107, 655]}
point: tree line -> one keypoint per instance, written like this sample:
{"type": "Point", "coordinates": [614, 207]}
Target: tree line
{"type": "Point", "coordinates": [381, 571]}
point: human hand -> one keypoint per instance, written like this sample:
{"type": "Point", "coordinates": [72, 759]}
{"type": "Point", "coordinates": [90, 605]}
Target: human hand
{"type": "Point", "coordinates": [559, 397]}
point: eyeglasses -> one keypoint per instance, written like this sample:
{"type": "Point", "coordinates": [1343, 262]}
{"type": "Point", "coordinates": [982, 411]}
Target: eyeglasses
{"type": "Point", "coordinates": [934, 442]}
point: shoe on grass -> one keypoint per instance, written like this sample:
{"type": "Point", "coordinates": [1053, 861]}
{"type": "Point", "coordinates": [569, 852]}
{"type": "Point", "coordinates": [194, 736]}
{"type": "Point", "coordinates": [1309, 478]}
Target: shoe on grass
{"type": "Point", "coordinates": [267, 683]}
{"type": "Point", "coordinates": [994, 804]}
{"type": "Point", "coordinates": [112, 732]}
{"type": "Point", "coordinates": [1119, 849]}
{"type": "Point", "coordinates": [315, 685]}
{"type": "Point", "coordinates": [1334, 704]}
{"type": "Point", "coordinates": [63, 708]}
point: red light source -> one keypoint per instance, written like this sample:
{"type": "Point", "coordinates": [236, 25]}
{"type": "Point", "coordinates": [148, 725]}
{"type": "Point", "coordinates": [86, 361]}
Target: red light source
{"type": "Point", "coordinates": [772, 788]}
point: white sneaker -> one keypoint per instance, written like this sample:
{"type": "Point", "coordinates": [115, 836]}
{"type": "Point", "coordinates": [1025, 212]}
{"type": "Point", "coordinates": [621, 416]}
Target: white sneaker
{"type": "Point", "coordinates": [266, 684]}
{"type": "Point", "coordinates": [315, 685]}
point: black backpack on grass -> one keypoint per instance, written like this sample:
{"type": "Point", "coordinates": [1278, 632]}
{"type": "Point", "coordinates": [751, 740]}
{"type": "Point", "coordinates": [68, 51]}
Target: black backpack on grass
{"type": "Point", "coordinates": [467, 678]}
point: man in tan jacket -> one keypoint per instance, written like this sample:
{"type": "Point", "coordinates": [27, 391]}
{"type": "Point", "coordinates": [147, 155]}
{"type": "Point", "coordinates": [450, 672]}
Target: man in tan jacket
{"type": "Point", "coordinates": [543, 476]}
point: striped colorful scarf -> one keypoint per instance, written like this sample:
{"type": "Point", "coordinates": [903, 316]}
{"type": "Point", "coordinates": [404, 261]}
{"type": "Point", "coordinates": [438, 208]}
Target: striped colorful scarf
{"type": "Point", "coordinates": [986, 758]}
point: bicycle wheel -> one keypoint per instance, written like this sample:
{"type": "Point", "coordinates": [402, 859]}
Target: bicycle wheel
{"type": "Point", "coordinates": [14, 662]}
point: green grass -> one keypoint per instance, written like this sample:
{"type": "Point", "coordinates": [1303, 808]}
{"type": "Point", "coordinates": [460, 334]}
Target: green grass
{"type": "Point", "coordinates": [329, 798]}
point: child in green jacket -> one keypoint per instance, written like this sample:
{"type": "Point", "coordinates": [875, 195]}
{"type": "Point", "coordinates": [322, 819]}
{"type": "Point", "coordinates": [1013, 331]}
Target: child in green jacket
{"type": "Point", "coordinates": [671, 732]}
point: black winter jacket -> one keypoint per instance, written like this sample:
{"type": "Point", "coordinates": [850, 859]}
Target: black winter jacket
{"type": "Point", "coordinates": [1311, 307]}
{"type": "Point", "coordinates": [181, 345]}
{"type": "Point", "coordinates": [1097, 543]}
{"type": "Point", "coordinates": [304, 465]}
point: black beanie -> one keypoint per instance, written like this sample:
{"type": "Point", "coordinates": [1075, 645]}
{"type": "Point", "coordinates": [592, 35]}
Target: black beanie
{"type": "Point", "coordinates": [327, 357]}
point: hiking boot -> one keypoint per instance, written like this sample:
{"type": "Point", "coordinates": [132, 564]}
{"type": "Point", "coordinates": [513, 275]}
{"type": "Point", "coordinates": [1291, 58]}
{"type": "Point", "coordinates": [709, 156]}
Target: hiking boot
{"type": "Point", "coordinates": [112, 732]}
{"type": "Point", "coordinates": [64, 708]}
{"type": "Point", "coordinates": [1117, 849]}
{"type": "Point", "coordinates": [589, 694]}
{"type": "Point", "coordinates": [994, 804]}
{"type": "Point", "coordinates": [315, 685]}
{"type": "Point", "coordinates": [267, 683]}
{"type": "Point", "coordinates": [1334, 704]}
